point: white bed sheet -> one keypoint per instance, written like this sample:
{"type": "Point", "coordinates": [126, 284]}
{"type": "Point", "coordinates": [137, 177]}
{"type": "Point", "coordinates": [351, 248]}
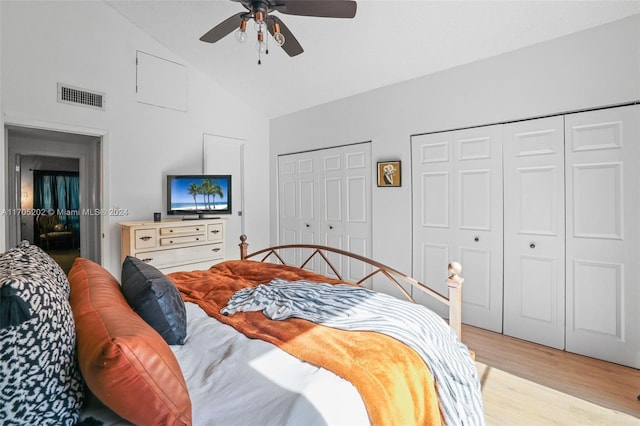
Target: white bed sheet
{"type": "Point", "coordinates": [234, 381]}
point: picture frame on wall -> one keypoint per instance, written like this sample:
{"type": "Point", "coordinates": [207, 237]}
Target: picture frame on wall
{"type": "Point", "coordinates": [389, 173]}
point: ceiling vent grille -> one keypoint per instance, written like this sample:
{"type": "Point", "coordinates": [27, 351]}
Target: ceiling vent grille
{"type": "Point", "coordinates": [73, 95]}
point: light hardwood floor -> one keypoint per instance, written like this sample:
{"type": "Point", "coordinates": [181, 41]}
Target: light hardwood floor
{"type": "Point", "coordinates": [603, 383]}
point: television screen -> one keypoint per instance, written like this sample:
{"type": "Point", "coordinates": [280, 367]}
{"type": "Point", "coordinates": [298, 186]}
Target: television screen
{"type": "Point", "coordinates": [200, 195]}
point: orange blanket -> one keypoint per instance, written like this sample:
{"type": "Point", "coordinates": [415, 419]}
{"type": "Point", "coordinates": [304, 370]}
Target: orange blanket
{"type": "Point", "coordinates": [392, 379]}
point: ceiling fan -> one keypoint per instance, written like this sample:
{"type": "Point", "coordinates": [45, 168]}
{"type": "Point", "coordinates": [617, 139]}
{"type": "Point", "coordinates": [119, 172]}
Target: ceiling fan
{"type": "Point", "coordinates": [260, 11]}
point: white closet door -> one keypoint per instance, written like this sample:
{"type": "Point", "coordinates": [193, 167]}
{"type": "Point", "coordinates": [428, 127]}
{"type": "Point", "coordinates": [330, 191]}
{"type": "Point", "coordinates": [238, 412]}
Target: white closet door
{"type": "Point", "coordinates": [345, 223]}
{"type": "Point", "coordinates": [297, 194]}
{"type": "Point", "coordinates": [603, 234]}
{"type": "Point", "coordinates": [534, 290]}
{"type": "Point", "coordinates": [457, 211]}
{"type": "Point", "coordinates": [324, 197]}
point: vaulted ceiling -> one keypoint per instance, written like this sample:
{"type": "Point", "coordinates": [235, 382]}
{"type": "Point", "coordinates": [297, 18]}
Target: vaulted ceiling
{"type": "Point", "coordinates": [387, 42]}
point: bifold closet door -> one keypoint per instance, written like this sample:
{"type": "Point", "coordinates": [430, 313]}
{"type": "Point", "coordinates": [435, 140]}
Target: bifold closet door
{"type": "Point", "coordinates": [457, 215]}
{"type": "Point", "coordinates": [345, 191]}
{"type": "Point", "coordinates": [534, 286]}
{"type": "Point", "coordinates": [324, 197]}
{"type": "Point", "coordinates": [298, 219]}
{"type": "Point", "coordinates": [603, 234]}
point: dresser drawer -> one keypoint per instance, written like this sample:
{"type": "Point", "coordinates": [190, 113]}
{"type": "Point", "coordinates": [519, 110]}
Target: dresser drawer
{"type": "Point", "coordinates": [183, 256]}
{"type": "Point", "coordinates": [178, 240]}
{"type": "Point", "coordinates": [145, 238]}
{"type": "Point", "coordinates": [215, 232]}
{"type": "Point", "coordinates": [182, 230]}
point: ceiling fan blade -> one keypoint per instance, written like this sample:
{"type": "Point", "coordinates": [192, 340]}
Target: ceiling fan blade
{"type": "Point", "coordinates": [223, 28]}
{"type": "Point", "coordinates": [291, 45]}
{"type": "Point", "coordinates": [319, 8]}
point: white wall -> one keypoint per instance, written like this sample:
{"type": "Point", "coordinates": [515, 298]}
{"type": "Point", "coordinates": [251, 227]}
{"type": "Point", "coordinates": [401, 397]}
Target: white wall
{"type": "Point", "coordinates": [593, 68]}
{"type": "Point", "coordinates": [89, 45]}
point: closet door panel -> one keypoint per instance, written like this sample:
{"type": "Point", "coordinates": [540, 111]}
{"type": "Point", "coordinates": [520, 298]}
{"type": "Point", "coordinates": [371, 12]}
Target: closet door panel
{"type": "Point", "coordinates": [357, 181]}
{"type": "Point", "coordinates": [457, 210]}
{"type": "Point", "coordinates": [324, 197]}
{"type": "Point", "coordinates": [297, 203]}
{"type": "Point", "coordinates": [603, 234]}
{"type": "Point", "coordinates": [477, 264]}
{"type": "Point", "coordinates": [534, 299]}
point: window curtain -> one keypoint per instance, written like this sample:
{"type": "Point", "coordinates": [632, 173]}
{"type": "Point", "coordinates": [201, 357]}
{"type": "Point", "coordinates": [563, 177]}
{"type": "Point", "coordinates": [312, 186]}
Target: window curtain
{"type": "Point", "coordinates": [60, 192]}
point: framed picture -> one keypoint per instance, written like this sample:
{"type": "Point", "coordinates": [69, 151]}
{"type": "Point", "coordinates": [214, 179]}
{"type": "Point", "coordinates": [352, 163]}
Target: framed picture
{"type": "Point", "coordinates": [389, 173]}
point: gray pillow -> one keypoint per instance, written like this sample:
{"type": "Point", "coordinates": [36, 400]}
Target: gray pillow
{"type": "Point", "coordinates": [155, 298]}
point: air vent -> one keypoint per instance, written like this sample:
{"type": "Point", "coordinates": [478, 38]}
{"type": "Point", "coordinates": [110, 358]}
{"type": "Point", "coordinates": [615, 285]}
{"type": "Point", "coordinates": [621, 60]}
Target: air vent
{"type": "Point", "coordinates": [73, 95]}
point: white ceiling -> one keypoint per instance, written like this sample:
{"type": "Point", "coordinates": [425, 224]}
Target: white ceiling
{"type": "Point", "coordinates": [387, 42]}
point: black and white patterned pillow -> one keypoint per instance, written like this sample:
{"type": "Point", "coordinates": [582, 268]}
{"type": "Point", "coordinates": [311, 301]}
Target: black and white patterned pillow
{"type": "Point", "coordinates": [40, 381]}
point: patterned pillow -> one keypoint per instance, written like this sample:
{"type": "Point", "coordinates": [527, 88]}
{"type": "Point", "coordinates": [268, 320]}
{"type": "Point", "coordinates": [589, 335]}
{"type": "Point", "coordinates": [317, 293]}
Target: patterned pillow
{"type": "Point", "coordinates": [40, 381]}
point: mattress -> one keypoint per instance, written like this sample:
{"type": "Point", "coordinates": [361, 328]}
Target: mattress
{"type": "Point", "coordinates": [234, 380]}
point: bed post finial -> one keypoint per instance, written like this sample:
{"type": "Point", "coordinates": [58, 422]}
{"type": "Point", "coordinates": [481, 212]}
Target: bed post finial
{"type": "Point", "coordinates": [243, 246]}
{"type": "Point", "coordinates": [454, 282]}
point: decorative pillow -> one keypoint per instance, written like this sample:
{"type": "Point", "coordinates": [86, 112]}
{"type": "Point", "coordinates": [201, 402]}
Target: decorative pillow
{"type": "Point", "coordinates": [40, 381]}
{"type": "Point", "coordinates": [125, 362]}
{"type": "Point", "coordinates": [155, 298]}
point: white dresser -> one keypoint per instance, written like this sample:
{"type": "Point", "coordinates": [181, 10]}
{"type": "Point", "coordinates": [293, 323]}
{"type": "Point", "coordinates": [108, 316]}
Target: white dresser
{"type": "Point", "coordinates": [175, 245]}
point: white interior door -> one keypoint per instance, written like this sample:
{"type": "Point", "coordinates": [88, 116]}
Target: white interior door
{"type": "Point", "coordinates": [534, 290]}
{"type": "Point", "coordinates": [603, 234]}
{"type": "Point", "coordinates": [225, 155]}
{"type": "Point", "coordinates": [457, 210]}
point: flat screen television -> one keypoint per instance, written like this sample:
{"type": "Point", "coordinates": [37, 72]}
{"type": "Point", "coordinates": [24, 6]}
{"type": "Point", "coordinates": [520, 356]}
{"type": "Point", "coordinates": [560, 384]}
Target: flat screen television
{"type": "Point", "coordinates": [198, 196]}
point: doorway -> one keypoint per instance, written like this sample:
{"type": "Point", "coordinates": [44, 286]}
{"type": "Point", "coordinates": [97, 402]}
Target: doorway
{"type": "Point", "coordinates": [54, 178]}
{"type": "Point", "coordinates": [49, 202]}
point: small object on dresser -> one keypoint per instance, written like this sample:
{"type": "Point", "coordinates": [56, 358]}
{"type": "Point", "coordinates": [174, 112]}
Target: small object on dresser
{"type": "Point", "coordinates": [157, 217]}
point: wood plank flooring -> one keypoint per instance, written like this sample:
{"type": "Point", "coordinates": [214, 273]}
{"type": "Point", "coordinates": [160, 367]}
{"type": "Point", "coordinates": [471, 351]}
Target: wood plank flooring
{"type": "Point", "coordinates": [606, 384]}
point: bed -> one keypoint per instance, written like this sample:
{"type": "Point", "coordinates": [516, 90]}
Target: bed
{"type": "Point", "coordinates": [288, 371]}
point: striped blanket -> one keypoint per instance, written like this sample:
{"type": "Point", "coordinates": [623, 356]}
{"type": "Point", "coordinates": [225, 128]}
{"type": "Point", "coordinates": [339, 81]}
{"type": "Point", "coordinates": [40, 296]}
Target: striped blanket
{"type": "Point", "coordinates": [359, 309]}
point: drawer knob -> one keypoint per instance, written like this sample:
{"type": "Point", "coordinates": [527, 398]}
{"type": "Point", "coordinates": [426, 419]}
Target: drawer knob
{"type": "Point", "coordinates": [145, 238]}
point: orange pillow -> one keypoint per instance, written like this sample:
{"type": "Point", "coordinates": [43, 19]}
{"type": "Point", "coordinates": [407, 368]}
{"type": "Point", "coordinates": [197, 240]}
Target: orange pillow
{"type": "Point", "coordinates": [124, 361]}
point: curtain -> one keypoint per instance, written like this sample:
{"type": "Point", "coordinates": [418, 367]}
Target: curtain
{"type": "Point", "coordinates": [60, 192]}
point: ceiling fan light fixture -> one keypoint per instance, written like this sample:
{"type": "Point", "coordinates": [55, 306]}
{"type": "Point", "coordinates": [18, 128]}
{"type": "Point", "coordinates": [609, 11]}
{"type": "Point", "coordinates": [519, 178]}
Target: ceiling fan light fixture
{"type": "Point", "coordinates": [258, 17]}
{"type": "Point", "coordinates": [261, 46]}
{"type": "Point", "coordinates": [260, 12]}
{"type": "Point", "coordinates": [241, 33]}
{"type": "Point", "coordinates": [277, 35]}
